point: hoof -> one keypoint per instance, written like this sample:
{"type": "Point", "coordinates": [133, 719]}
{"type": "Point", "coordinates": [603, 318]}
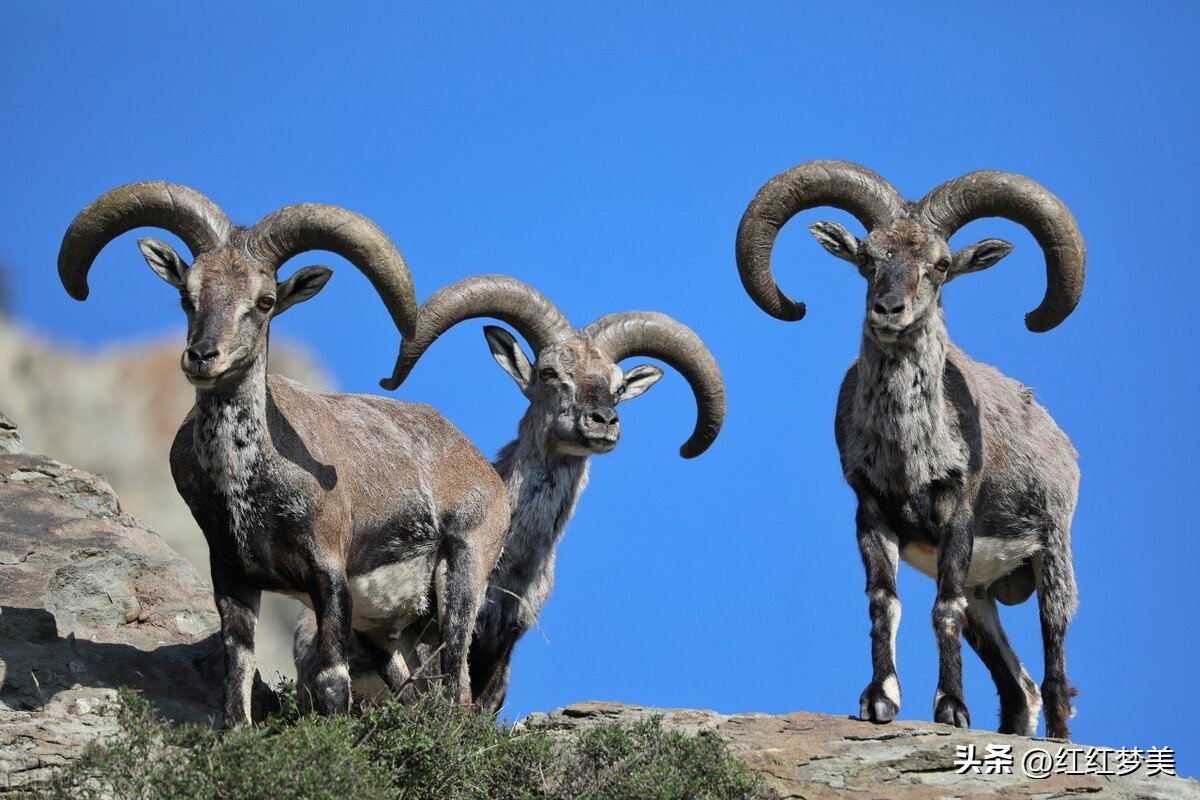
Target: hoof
{"type": "Point", "coordinates": [235, 723]}
{"type": "Point", "coordinates": [1058, 709]}
{"type": "Point", "coordinates": [1018, 723]}
{"type": "Point", "coordinates": [332, 694]}
{"type": "Point", "coordinates": [875, 705]}
{"type": "Point", "coordinates": [951, 711]}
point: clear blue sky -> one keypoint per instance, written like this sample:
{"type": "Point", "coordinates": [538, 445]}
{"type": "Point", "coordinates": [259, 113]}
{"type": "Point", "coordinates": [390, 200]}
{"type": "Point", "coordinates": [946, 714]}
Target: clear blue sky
{"type": "Point", "coordinates": [604, 154]}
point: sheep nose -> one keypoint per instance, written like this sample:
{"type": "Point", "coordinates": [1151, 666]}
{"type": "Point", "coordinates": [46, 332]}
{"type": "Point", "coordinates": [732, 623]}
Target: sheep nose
{"type": "Point", "coordinates": [201, 352]}
{"type": "Point", "coordinates": [604, 415]}
{"type": "Point", "coordinates": [888, 308]}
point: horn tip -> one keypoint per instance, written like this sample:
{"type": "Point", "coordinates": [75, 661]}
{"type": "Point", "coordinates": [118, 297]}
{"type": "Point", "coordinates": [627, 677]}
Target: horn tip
{"type": "Point", "coordinates": [77, 289]}
{"type": "Point", "coordinates": [399, 373]}
{"type": "Point", "coordinates": [1040, 323]}
{"type": "Point", "coordinates": [784, 308]}
{"type": "Point", "coordinates": [691, 449]}
{"type": "Point", "coordinates": [789, 310]}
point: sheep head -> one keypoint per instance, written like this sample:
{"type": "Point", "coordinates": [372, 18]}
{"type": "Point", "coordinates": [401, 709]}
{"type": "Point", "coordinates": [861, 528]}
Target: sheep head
{"type": "Point", "coordinates": [905, 255]}
{"type": "Point", "coordinates": [231, 293]}
{"type": "Point", "coordinates": [573, 382]}
{"type": "Point", "coordinates": [573, 389]}
{"type": "Point", "coordinates": [905, 268]}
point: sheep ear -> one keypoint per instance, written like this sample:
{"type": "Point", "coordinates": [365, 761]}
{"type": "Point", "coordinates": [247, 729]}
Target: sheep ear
{"type": "Point", "coordinates": [165, 262]}
{"type": "Point", "coordinates": [637, 380]}
{"type": "Point", "coordinates": [509, 355]}
{"type": "Point", "coordinates": [305, 283]}
{"type": "Point", "coordinates": [837, 240]}
{"type": "Point", "coordinates": [978, 256]}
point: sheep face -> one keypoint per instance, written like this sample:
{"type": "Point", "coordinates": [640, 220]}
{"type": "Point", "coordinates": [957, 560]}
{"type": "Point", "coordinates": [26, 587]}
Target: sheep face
{"type": "Point", "coordinates": [905, 267]}
{"type": "Point", "coordinates": [573, 390]}
{"type": "Point", "coordinates": [229, 300]}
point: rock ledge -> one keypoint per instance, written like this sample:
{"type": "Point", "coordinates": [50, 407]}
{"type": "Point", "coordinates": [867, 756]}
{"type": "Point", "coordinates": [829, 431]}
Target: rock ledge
{"type": "Point", "coordinates": [803, 755]}
{"type": "Point", "coordinates": [90, 600]}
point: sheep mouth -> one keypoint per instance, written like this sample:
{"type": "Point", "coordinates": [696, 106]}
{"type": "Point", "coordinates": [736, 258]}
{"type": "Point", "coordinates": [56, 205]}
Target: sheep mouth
{"type": "Point", "coordinates": [584, 444]}
{"type": "Point", "coordinates": [889, 332]}
{"type": "Point", "coordinates": [200, 381]}
{"type": "Point", "coordinates": [212, 377]}
{"type": "Point", "coordinates": [601, 444]}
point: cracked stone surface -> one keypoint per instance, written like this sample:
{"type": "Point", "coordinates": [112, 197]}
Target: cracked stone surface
{"type": "Point", "coordinates": [814, 756]}
{"type": "Point", "coordinates": [115, 412]}
{"type": "Point", "coordinates": [90, 600]}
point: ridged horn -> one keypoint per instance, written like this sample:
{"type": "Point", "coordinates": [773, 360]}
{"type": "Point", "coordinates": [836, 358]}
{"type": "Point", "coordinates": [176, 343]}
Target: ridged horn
{"type": "Point", "coordinates": [182, 211]}
{"type": "Point", "coordinates": [497, 296]}
{"type": "Point", "coordinates": [988, 193]}
{"type": "Point", "coordinates": [646, 333]}
{"type": "Point", "coordinates": [839, 184]}
{"type": "Point", "coordinates": [314, 226]}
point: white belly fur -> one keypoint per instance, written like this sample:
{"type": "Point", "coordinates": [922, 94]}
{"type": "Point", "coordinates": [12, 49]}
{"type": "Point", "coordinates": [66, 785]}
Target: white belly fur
{"type": "Point", "coordinates": [392, 596]}
{"type": "Point", "coordinates": [991, 559]}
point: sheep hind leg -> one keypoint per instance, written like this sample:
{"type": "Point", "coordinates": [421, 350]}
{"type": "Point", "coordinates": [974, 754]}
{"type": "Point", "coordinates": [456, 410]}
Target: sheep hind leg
{"type": "Point", "coordinates": [489, 674]}
{"type": "Point", "coordinates": [304, 656]}
{"type": "Point", "coordinates": [458, 604]}
{"type": "Point", "coordinates": [1055, 581]}
{"type": "Point", "coordinates": [469, 553]}
{"type": "Point", "coordinates": [1020, 700]}
{"type": "Point", "coordinates": [402, 662]}
{"type": "Point", "coordinates": [388, 663]}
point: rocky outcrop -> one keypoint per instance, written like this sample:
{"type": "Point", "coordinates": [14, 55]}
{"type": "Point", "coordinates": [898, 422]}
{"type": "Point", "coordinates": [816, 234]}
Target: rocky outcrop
{"type": "Point", "coordinates": [115, 412]}
{"type": "Point", "coordinates": [802, 755]}
{"type": "Point", "coordinates": [90, 600]}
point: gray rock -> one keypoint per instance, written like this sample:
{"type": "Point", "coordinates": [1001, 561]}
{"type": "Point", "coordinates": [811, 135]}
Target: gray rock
{"type": "Point", "coordinates": [115, 413]}
{"type": "Point", "coordinates": [90, 600]}
{"type": "Point", "coordinates": [10, 439]}
{"type": "Point", "coordinates": [802, 755]}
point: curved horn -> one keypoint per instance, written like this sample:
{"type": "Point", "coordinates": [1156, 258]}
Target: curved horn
{"type": "Point", "coordinates": [182, 211]}
{"type": "Point", "coordinates": [839, 184]}
{"type": "Point", "coordinates": [314, 226]}
{"type": "Point", "coordinates": [498, 296]}
{"type": "Point", "coordinates": [1014, 197]}
{"type": "Point", "coordinates": [647, 333]}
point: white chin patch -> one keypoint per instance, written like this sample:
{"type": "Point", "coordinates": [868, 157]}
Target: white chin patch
{"type": "Point", "coordinates": [886, 334]}
{"type": "Point", "coordinates": [201, 383]}
{"type": "Point", "coordinates": [573, 449]}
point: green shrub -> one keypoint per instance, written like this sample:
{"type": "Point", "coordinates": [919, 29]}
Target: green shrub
{"type": "Point", "coordinates": [429, 750]}
{"type": "Point", "coordinates": [642, 760]}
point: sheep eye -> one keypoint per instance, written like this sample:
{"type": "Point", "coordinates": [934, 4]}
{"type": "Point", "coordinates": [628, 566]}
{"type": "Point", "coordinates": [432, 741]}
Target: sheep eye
{"type": "Point", "coordinates": [185, 300]}
{"type": "Point", "coordinates": [266, 303]}
{"type": "Point", "coordinates": [547, 374]}
{"type": "Point", "coordinates": [942, 265]}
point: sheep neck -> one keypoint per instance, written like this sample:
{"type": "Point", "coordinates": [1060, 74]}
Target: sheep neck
{"type": "Point", "coordinates": [230, 442]}
{"type": "Point", "coordinates": [900, 412]}
{"type": "Point", "coordinates": [543, 488]}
